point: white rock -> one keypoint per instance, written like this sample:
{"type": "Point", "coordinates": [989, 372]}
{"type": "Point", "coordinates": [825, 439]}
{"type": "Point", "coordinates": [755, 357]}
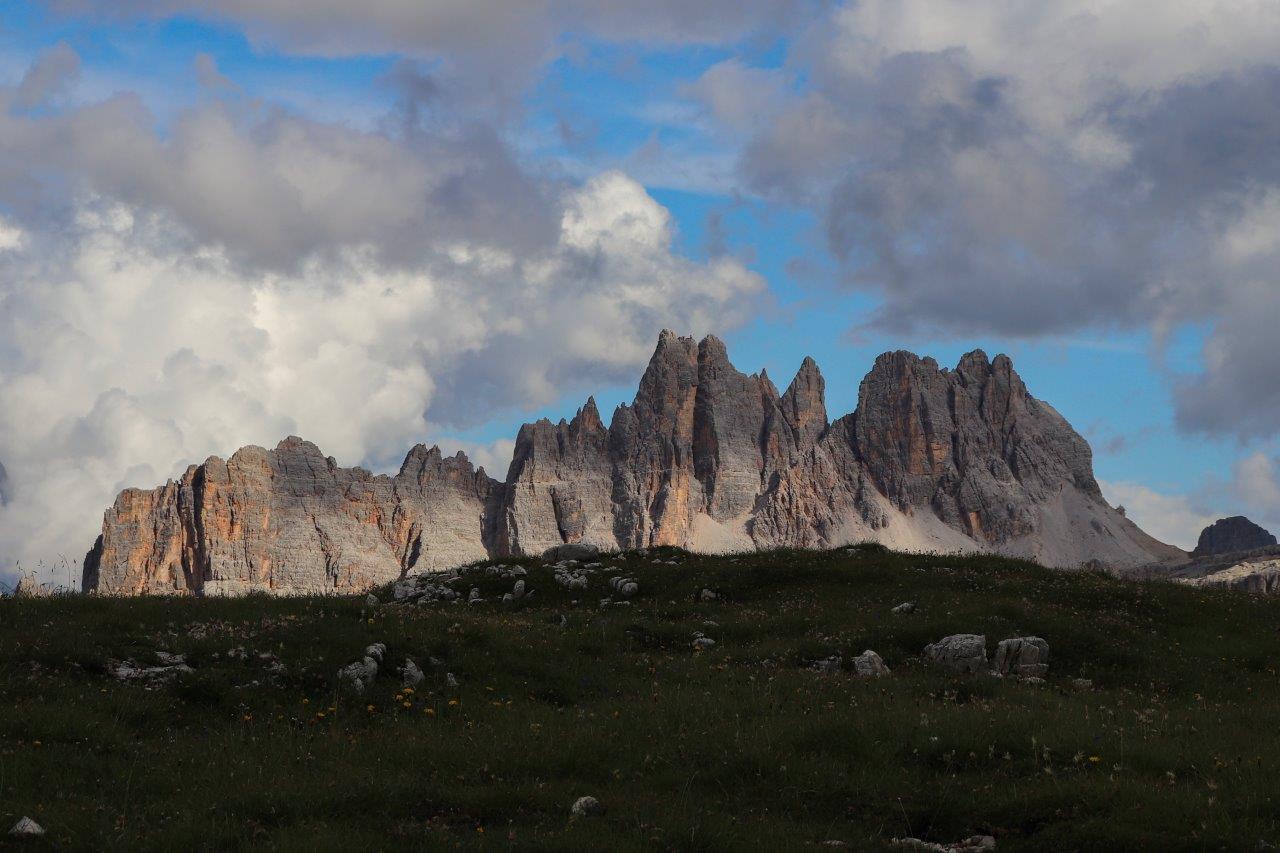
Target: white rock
{"type": "Point", "coordinates": [376, 651]}
{"type": "Point", "coordinates": [905, 607]}
{"type": "Point", "coordinates": [586, 807]}
{"type": "Point", "coordinates": [703, 643]}
{"type": "Point", "coordinates": [964, 654]}
{"type": "Point", "coordinates": [450, 680]}
{"type": "Point", "coordinates": [1023, 657]}
{"type": "Point", "coordinates": [130, 671]}
{"type": "Point", "coordinates": [517, 591]}
{"type": "Point", "coordinates": [412, 673]}
{"type": "Point", "coordinates": [972, 844]}
{"type": "Point", "coordinates": [371, 600]}
{"type": "Point", "coordinates": [869, 665]}
{"type": "Point", "coordinates": [354, 675]}
{"type": "Point", "coordinates": [27, 826]}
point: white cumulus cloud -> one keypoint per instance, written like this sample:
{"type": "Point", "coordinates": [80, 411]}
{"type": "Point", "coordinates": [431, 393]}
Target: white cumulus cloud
{"type": "Point", "coordinates": [255, 273]}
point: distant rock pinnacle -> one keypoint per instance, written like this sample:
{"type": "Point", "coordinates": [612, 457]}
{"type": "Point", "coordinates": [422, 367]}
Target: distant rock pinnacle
{"type": "Point", "coordinates": [1229, 535]}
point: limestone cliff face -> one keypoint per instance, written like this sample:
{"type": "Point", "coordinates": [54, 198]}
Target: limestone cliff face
{"type": "Point", "coordinates": [290, 520]}
{"type": "Point", "coordinates": [971, 445]}
{"type": "Point", "coordinates": [693, 447]}
{"type": "Point", "coordinates": [558, 488]}
{"type": "Point", "coordinates": [705, 457]}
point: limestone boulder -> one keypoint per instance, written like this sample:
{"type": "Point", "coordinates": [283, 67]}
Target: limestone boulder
{"type": "Point", "coordinates": [869, 665]}
{"type": "Point", "coordinates": [1025, 657]}
{"type": "Point", "coordinates": [961, 654]}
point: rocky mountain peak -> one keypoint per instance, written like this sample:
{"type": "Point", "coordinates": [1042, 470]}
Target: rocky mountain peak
{"type": "Point", "coordinates": [804, 404]}
{"type": "Point", "coordinates": [587, 419]}
{"type": "Point", "coordinates": [706, 457]}
{"type": "Point", "coordinates": [422, 464]}
{"type": "Point", "coordinates": [970, 444]}
{"type": "Point", "coordinates": [1229, 535]}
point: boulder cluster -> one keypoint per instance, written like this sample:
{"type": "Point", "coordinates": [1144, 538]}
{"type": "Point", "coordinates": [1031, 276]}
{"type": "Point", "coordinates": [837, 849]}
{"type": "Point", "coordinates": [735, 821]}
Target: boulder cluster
{"type": "Point", "coordinates": [1025, 658]}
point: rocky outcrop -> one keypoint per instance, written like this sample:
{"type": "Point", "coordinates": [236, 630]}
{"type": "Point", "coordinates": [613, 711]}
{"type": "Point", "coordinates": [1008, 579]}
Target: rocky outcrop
{"type": "Point", "coordinates": [705, 457]}
{"type": "Point", "coordinates": [1260, 574]}
{"type": "Point", "coordinates": [559, 487]}
{"type": "Point", "coordinates": [28, 587]}
{"type": "Point", "coordinates": [1230, 535]}
{"type": "Point", "coordinates": [290, 520]}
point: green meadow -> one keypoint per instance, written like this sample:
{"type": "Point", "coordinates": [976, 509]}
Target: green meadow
{"type": "Point", "coordinates": [1172, 744]}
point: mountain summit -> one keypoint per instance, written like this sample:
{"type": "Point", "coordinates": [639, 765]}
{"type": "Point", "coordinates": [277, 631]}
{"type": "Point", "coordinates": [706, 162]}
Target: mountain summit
{"type": "Point", "coordinates": [705, 457]}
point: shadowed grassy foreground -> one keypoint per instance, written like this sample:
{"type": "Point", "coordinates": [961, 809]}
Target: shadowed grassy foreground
{"type": "Point", "coordinates": [741, 746]}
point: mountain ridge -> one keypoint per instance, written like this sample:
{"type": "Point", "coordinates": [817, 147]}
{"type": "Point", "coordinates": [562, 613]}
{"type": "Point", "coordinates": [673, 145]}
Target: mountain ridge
{"type": "Point", "coordinates": [704, 457]}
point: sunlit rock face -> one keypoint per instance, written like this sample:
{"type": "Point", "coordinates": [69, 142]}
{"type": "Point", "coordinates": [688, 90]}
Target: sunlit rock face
{"type": "Point", "coordinates": [290, 520]}
{"type": "Point", "coordinates": [705, 457]}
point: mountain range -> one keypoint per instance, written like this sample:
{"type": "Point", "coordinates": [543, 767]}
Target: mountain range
{"type": "Point", "coordinates": [705, 457]}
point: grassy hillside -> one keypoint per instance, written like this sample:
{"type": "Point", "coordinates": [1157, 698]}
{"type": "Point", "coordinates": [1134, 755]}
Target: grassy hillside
{"type": "Point", "coordinates": [739, 746]}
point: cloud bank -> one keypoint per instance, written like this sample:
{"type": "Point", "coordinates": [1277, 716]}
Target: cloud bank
{"type": "Point", "coordinates": [1027, 169]}
{"type": "Point", "coordinates": [252, 273]}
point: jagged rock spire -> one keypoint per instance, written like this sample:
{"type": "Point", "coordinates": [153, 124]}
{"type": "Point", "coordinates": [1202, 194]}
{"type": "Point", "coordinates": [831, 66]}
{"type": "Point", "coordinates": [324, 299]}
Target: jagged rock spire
{"type": "Point", "coordinates": [804, 404]}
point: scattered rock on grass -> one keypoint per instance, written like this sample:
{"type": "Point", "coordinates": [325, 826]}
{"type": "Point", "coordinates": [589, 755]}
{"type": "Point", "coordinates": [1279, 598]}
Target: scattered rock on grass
{"type": "Point", "coordinates": [972, 844]}
{"type": "Point", "coordinates": [412, 673]}
{"type": "Point", "coordinates": [701, 642]}
{"type": "Point", "coordinates": [964, 654]}
{"type": "Point", "coordinates": [905, 607]}
{"type": "Point", "coordinates": [828, 666]}
{"type": "Point", "coordinates": [170, 666]}
{"type": "Point", "coordinates": [869, 665]}
{"type": "Point", "coordinates": [570, 579]}
{"type": "Point", "coordinates": [586, 807]}
{"type": "Point", "coordinates": [708, 595]}
{"type": "Point", "coordinates": [360, 675]}
{"type": "Point", "coordinates": [625, 587]}
{"type": "Point", "coordinates": [1022, 657]}
{"type": "Point", "coordinates": [27, 826]}
{"type": "Point", "coordinates": [450, 681]}
{"type": "Point", "coordinates": [371, 600]}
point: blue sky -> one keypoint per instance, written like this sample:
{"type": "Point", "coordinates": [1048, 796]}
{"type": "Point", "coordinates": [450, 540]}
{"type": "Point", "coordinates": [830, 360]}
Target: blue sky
{"type": "Point", "coordinates": [840, 179]}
